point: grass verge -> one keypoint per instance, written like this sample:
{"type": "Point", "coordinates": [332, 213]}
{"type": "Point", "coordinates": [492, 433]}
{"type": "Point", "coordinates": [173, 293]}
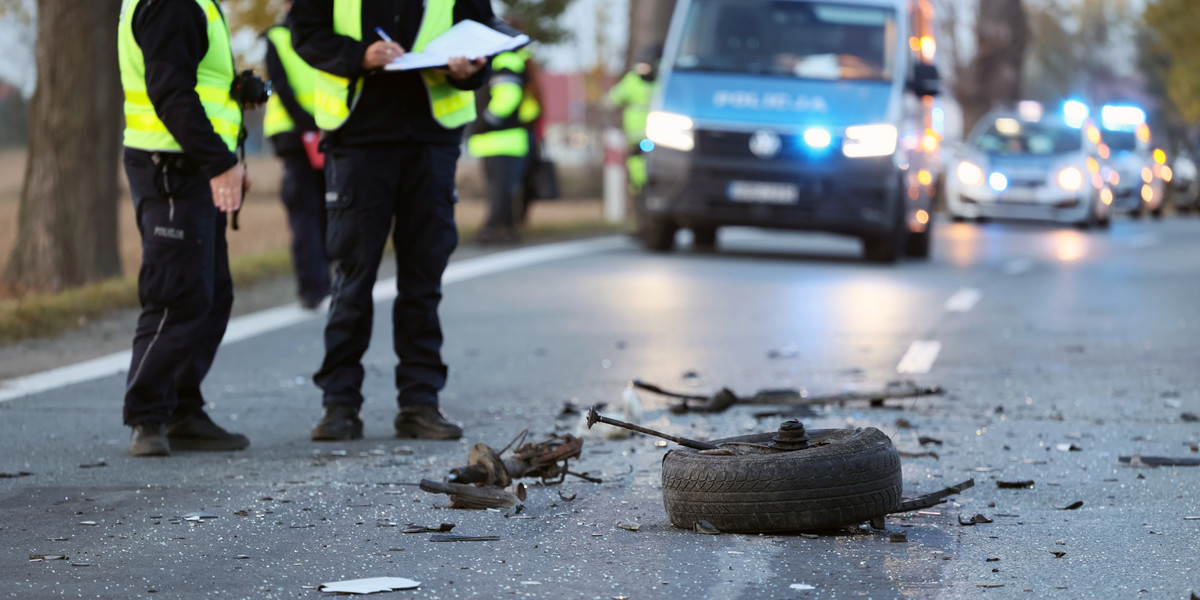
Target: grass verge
{"type": "Point", "coordinates": [47, 315]}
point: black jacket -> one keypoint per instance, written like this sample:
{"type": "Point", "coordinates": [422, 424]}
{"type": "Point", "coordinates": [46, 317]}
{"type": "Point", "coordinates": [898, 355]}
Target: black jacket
{"type": "Point", "coordinates": [392, 106]}
{"type": "Point", "coordinates": [173, 36]}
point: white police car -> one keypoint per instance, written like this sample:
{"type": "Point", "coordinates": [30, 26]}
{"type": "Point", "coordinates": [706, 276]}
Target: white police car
{"type": "Point", "coordinates": [1029, 165]}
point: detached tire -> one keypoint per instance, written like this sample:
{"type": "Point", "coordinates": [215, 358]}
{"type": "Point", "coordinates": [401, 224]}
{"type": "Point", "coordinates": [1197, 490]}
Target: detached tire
{"type": "Point", "coordinates": [845, 477]}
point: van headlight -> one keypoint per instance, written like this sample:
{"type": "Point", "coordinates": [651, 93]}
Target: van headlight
{"type": "Point", "coordinates": [970, 174]}
{"type": "Point", "coordinates": [670, 130]}
{"type": "Point", "coordinates": [863, 141]}
{"type": "Point", "coordinates": [1070, 179]}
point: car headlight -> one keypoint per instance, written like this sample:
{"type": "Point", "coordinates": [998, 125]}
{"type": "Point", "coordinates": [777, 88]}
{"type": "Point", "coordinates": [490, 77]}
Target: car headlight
{"type": "Point", "coordinates": [670, 131]}
{"type": "Point", "coordinates": [864, 141]}
{"type": "Point", "coordinates": [1070, 179]}
{"type": "Point", "coordinates": [969, 173]}
{"type": "Point", "coordinates": [998, 181]}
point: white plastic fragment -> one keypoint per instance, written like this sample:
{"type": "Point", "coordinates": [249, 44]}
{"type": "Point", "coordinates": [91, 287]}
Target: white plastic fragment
{"type": "Point", "coordinates": [802, 586]}
{"type": "Point", "coordinates": [369, 585]}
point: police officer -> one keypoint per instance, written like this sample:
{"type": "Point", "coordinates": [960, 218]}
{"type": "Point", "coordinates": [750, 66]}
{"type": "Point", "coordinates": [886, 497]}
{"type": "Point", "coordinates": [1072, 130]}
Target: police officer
{"type": "Point", "coordinates": [502, 139]}
{"type": "Point", "coordinates": [289, 123]}
{"type": "Point", "coordinates": [632, 94]}
{"type": "Point", "coordinates": [181, 130]}
{"type": "Point", "coordinates": [392, 140]}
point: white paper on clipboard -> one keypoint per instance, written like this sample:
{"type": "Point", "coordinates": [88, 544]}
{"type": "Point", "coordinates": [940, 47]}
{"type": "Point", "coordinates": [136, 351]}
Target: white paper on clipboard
{"type": "Point", "coordinates": [466, 38]}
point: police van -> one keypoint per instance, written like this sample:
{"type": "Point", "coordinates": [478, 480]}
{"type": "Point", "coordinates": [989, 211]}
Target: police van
{"type": "Point", "coordinates": [814, 115]}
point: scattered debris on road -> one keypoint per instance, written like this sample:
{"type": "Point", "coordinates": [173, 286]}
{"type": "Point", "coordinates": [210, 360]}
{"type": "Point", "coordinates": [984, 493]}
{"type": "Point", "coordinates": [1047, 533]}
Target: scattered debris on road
{"type": "Point", "coordinates": [1188, 417]}
{"type": "Point", "coordinates": [933, 498]}
{"type": "Point", "coordinates": [725, 398]}
{"type": "Point", "coordinates": [628, 526]}
{"type": "Point", "coordinates": [43, 557]}
{"type": "Point", "coordinates": [443, 528]}
{"type": "Point", "coordinates": [1138, 460]}
{"type": "Point", "coordinates": [1072, 506]}
{"type": "Point", "coordinates": [446, 537]}
{"type": "Point", "coordinates": [15, 475]}
{"type": "Point", "coordinates": [548, 461]}
{"type": "Point", "coordinates": [898, 537]}
{"type": "Point", "coordinates": [94, 465]}
{"type": "Point", "coordinates": [802, 586]}
{"type": "Point", "coordinates": [472, 497]}
{"type": "Point", "coordinates": [975, 520]}
{"type": "Point", "coordinates": [705, 528]}
{"type": "Point", "coordinates": [370, 585]}
{"type": "Point", "coordinates": [199, 516]}
{"type": "Point", "coordinates": [1015, 485]}
{"type": "Point", "coordinates": [929, 454]}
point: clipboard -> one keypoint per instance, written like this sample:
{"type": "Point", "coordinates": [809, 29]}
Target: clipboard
{"type": "Point", "coordinates": [468, 38]}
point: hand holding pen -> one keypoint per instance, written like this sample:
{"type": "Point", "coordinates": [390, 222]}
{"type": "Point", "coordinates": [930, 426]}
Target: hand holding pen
{"type": "Point", "coordinates": [382, 52]}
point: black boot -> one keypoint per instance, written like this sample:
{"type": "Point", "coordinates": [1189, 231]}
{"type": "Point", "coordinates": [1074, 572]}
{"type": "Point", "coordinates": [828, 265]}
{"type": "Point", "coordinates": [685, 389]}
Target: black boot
{"type": "Point", "coordinates": [340, 422]}
{"type": "Point", "coordinates": [149, 439]}
{"type": "Point", "coordinates": [196, 431]}
{"type": "Point", "coordinates": [425, 421]}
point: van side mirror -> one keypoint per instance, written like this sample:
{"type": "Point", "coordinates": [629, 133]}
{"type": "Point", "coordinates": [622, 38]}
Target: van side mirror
{"type": "Point", "coordinates": [925, 80]}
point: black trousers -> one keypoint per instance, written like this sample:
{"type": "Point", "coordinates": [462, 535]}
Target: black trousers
{"type": "Point", "coordinates": [408, 190]}
{"type": "Point", "coordinates": [184, 287]}
{"type": "Point", "coordinates": [303, 193]}
{"type": "Point", "coordinates": [504, 177]}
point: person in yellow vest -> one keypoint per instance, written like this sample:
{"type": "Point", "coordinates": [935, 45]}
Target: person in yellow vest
{"type": "Point", "coordinates": [182, 127]}
{"type": "Point", "coordinates": [392, 143]}
{"type": "Point", "coordinates": [632, 95]}
{"type": "Point", "coordinates": [501, 137]}
{"type": "Point", "coordinates": [289, 119]}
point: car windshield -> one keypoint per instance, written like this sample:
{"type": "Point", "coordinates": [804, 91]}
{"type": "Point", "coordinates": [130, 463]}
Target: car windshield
{"type": "Point", "coordinates": [1120, 141]}
{"type": "Point", "coordinates": [1010, 137]}
{"type": "Point", "coordinates": [809, 40]}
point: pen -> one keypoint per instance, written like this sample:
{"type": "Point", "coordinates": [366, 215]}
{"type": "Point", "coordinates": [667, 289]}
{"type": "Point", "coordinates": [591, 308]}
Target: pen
{"type": "Point", "coordinates": [383, 35]}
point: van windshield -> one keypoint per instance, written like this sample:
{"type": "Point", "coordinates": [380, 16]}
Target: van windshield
{"type": "Point", "coordinates": [1010, 137]}
{"type": "Point", "coordinates": [809, 40]}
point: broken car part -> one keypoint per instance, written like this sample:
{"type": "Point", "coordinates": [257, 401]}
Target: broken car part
{"type": "Point", "coordinates": [594, 417]}
{"type": "Point", "coordinates": [725, 398]}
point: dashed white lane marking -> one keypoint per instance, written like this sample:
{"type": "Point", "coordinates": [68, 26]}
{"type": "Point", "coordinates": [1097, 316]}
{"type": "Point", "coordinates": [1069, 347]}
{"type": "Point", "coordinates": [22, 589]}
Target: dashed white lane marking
{"type": "Point", "coordinates": [1018, 266]}
{"type": "Point", "coordinates": [1144, 240]}
{"type": "Point", "coordinates": [920, 357]}
{"type": "Point", "coordinates": [273, 319]}
{"type": "Point", "coordinates": [963, 300]}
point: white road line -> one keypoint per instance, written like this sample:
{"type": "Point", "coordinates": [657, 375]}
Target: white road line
{"type": "Point", "coordinates": [273, 319]}
{"type": "Point", "coordinates": [920, 357]}
{"type": "Point", "coordinates": [963, 300]}
{"type": "Point", "coordinates": [1018, 266]}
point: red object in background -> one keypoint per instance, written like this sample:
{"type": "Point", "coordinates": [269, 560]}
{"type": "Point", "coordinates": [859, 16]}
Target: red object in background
{"type": "Point", "coordinates": [312, 142]}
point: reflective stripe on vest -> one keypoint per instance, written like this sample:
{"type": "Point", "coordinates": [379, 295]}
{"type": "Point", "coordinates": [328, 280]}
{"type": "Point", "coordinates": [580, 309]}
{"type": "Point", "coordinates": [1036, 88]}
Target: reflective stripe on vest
{"type": "Point", "coordinates": [504, 142]}
{"type": "Point", "coordinates": [214, 76]}
{"type": "Point", "coordinates": [335, 96]}
{"type": "Point", "coordinates": [301, 78]}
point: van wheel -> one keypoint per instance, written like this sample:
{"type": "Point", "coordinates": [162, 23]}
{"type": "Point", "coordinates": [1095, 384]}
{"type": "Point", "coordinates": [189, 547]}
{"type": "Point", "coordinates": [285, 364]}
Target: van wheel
{"type": "Point", "coordinates": [1157, 213]}
{"type": "Point", "coordinates": [917, 244]}
{"type": "Point", "coordinates": [658, 234]}
{"type": "Point", "coordinates": [844, 477]}
{"type": "Point", "coordinates": [886, 248]}
{"type": "Point", "coordinates": [704, 238]}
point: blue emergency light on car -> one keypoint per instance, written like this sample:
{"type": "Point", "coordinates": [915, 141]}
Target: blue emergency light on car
{"type": "Point", "coordinates": [998, 181]}
{"type": "Point", "coordinates": [1116, 116]}
{"type": "Point", "coordinates": [1075, 113]}
{"type": "Point", "coordinates": [817, 138]}
{"type": "Point", "coordinates": [646, 145]}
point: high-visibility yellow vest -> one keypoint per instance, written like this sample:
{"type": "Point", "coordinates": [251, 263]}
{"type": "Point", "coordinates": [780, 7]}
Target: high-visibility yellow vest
{"type": "Point", "coordinates": [301, 78]}
{"type": "Point", "coordinates": [513, 137]}
{"type": "Point", "coordinates": [633, 93]}
{"type": "Point", "coordinates": [214, 76]}
{"type": "Point", "coordinates": [335, 96]}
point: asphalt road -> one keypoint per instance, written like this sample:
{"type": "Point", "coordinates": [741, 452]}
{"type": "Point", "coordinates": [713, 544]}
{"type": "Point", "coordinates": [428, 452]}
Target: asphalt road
{"type": "Point", "coordinates": [1045, 338]}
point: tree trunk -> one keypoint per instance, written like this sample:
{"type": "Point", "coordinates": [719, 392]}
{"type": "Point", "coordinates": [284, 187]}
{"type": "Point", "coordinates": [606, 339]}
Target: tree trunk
{"type": "Point", "coordinates": [994, 76]}
{"type": "Point", "coordinates": [648, 22]}
{"type": "Point", "coordinates": [67, 221]}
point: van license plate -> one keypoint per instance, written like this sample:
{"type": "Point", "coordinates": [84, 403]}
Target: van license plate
{"type": "Point", "coordinates": [764, 193]}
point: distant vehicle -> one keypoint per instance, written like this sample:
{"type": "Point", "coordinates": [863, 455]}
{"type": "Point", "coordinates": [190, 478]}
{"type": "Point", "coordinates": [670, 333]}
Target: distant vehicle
{"type": "Point", "coordinates": [1031, 165]}
{"type": "Point", "coordinates": [796, 114]}
{"type": "Point", "coordinates": [1127, 151]}
{"type": "Point", "coordinates": [1185, 184]}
